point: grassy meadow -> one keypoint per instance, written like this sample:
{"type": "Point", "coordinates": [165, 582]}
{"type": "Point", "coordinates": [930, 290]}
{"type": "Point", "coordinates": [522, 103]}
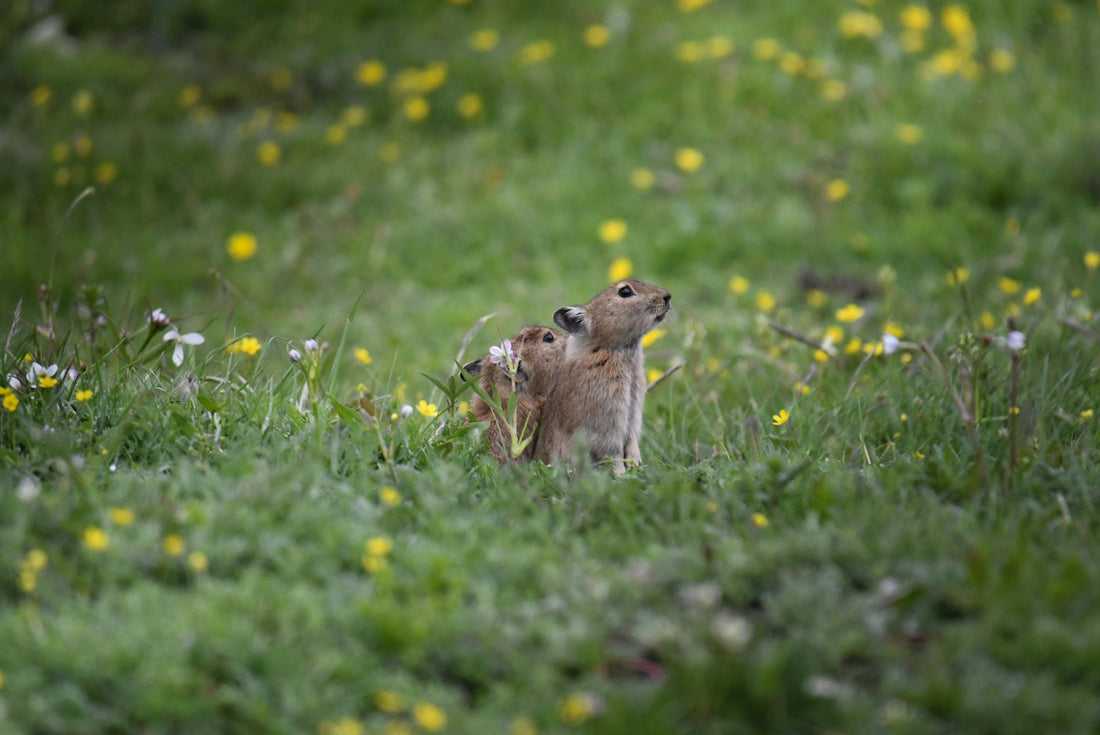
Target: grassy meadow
{"type": "Point", "coordinates": [243, 244]}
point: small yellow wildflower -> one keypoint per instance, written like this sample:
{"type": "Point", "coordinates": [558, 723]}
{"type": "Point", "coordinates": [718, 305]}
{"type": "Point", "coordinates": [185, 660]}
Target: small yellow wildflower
{"type": "Point", "coordinates": [858, 24]}
{"type": "Point", "coordinates": [389, 495]}
{"type": "Point", "coordinates": [363, 356]}
{"type": "Point", "coordinates": [1092, 260]}
{"type": "Point", "coordinates": [371, 73]}
{"type": "Point", "coordinates": [523, 726]}
{"type": "Point", "coordinates": [197, 561]}
{"type": "Point", "coordinates": [817, 298]}
{"type": "Point", "coordinates": [173, 545]}
{"type": "Point", "coordinates": [791, 63]}
{"type": "Point", "coordinates": [1008, 285]}
{"type": "Point", "coordinates": [834, 90]}
{"type": "Point", "coordinates": [916, 18]}
{"type": "Point", "coordinates": [60, 152]}
{"type": "Point", "coordinates": [909, 133]}
{"type": "Point", "coordinates": [719, 47]}
{"type": "Point", "coordinates": [41, 95]}
{"type": "Point", "coordinates": [484, 39]}
{"type": "Point", "coordinates": [189, 95]}
{"type": "Point", "coordinates": [379, 545]}
{"type": "Point", "coordinates": [82, 102]}
{"type": "Point", "coordinates": [11, 402]}
{"type": "Point", "coordinates": [612, 230]}
{"type": "Point", "coordinates": [765, 48]}
{"type": "Point", "coordinates": [689, 52]}
{"type": "Point", "coordinates": [642, 178]}
{"type": "Point", "coordinates": [620, 269]}
{"type": "Point", "coordinates": [957, 276]}
{"type": "Point", "coordinates": [854, 346]}
{"type": "Point", "coordinates": [1002, 60]}
{"type": "Point", "coordinates": [96, 539]}
{"type": "Point", "coordinates": [577, 708]}
{"type": "Point", "coordinates": [429, 717]}
{"type": "Point", "coordinates": [912, 42]}
{"type": "Point", "coordinates": [36, 560]}
{"type": "Point", "coordinates": [46, 381]}
{"type": "Point", "coordinates": [1032, 295]}
{"type": "Point", "coordinates": [427, 409]}
{"type": "Point", "coordinates": [84, 395]}
{"type": "Point", "coordinates": [956, 21]}
{"type": "Point", "coordinates": [849, 313]}
{"type": "Point", "coordinates": [759, 520]}
{"type": "Point", "coordinates": [389, 152]}
{"type": "Point", "coordinates": [652, 374]}
{"type": "Point", "coordinates": [120, 516]}
{"type": "Point", "coordinates": [739, 285]}
{"type": "Point", "coordinates": [781, 418]}
{"type": "Point", "coordinates": [987, 320]}
{"type": "Point", "coordinates": [281, 79]}
{"type": "Point", "coordinates": [470, 106]}
{"type": "Point", "coordinates": [689, 160]}
{"type": "Point", "coordinates": [285, 121]}
{"type": "Point", "coordinates": [241, 246]}
{"type": "Point", "coordinates": [1014, 410]}
{"type": "Point", "coordinates": [765, 301]}
{"type": "Point", "coordinates": [416, 109]}
{"type": "Point", "coordinates": [249, 345]}
{"type": "Point", "coordinates": [821, 356]}
{"type": "Point", "coordinates": [336, 133]}
{"type": "Point", "coordinates": [347, 726]}
{"type": "Point", "coordinates": [354, 116]}
{"type": "Point", "coordinates": [373, 564]}
{"type": "Point", "coordinates": [651, 337]}
{"type": "Point", "coordinates": [536, 52]}
{"type": "Point", "coordinates": [83, 146]}
{"type": "Point", "coordinates": [833, 334]}
{"type": "Point", "coordinates": [268, 153]}
{"type": "Point", "coordinates": [836, 190]}
{"type": "Point", "coordinates": [106, 172]}
{"type": "Point", "coordinates": [389, 701]}
{"type": "Point", "coordinates": [62, 177]}
{"type": "Point", "coordinates": [596, 36]}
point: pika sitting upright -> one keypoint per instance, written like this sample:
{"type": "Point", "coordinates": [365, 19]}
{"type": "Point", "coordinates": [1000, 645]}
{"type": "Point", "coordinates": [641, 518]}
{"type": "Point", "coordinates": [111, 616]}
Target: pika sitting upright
{"type": "Point", "coordinates": [601, 385]}
{"type": "Point", "coordinates": [539, 352]}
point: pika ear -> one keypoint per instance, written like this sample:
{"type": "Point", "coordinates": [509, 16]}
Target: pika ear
{"type": "Point", "coordinates": [573, 319]}
{"type": "Point", "coordinates": [474, 368]}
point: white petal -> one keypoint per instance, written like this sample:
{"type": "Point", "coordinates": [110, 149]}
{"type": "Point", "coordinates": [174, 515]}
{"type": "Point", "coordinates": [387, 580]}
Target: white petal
{"type": "Point", "coordinates": [170, 335]}
{"type": "Point", "coordinates": [177, 354]}
{"type": "Point", "coordinates": [192, 338]}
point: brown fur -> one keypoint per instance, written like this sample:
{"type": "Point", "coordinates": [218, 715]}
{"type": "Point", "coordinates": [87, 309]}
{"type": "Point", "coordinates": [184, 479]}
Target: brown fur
{"type": "Point", "coordinates": [538, 365]}
{"type": "Point", "coordinates": [601, 385]}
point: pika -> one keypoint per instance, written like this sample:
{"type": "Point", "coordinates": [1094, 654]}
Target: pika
{"type": "Point", "coordinates": [540, 352]}
{"type": "Point", "coordinates": [601, 385]}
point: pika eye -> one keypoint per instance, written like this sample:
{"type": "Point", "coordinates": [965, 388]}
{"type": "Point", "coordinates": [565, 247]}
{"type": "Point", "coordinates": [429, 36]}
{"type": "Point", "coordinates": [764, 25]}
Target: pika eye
{"type": "Point", "coordinates": [548, 337]}
{"type": "Point", "coordinates": [626, 292]}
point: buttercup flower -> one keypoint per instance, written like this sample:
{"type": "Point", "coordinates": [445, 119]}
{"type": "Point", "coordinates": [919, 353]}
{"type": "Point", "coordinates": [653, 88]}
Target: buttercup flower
{"type": "Point", "coordinates": [1092, 260]}
{"type": "Point", "coordinates": [84, 395]}
{"type": "Point", "coordinates": [11, 402]}
{"type": "Point", "coordinates": [120, 516]}
{"type": "Point", "coordinates": [173, 545]}
{"type": "Point", "coordinates": [596, 36]}
{"type": "Point", "coordinates": [191, 338]}
{"type": "Point", "coordinates": [371, 73]}
{"type": "Point", "coordinates": [689, 160]}
{"type": "Point", "coordinates": [578, 708]}
{"type": "Point", "coordinates": [389, 495]}
{"type": "Point", "coordinates": [850, 313]}
{"type": "Point", "coordinates": [484, 39]}
{"type": "Point", "coordinates": [759, 520]}
{"type": "Point", "coordinates": [197, 561]}
{"type": "Point", "coordinates": [612, 230]}
{"type": "Point", "coordinates": [620, 269]}
{"type": "Point", "coordinates": [781, 418]}
{"type": "Point", "coordinates": [469, 106]}
{"type": "Point", "coordinates": [429, 717]}
{"type": "Point", "coordinates": [268, 153]}
{"type": "Point", "coordinates": [909, 134]}
{"type": "Point", "coordinates": [739, 285]}
{"type": "Point", "coordinates": [427, 409]}
{"type": "Point", "coordinates": [642, 178]}
{"type": "Point", "coordinates": [836, 190]}
{"type": "Point", "coordinates": [363, 356]}
{"type": "Point", "coordinates": [241, 245]}
{"type": "Point", "coordinates": [95, 539]}
{"type": "Point", "coordinates": [389, 701]}
{"type": "Point", "coordinates": [765, 301]}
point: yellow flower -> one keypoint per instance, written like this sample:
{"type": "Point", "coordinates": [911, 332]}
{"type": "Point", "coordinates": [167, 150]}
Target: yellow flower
{"type": "Point", "coordinates": [371, 73]}
{"type": "Point", "coordinates": [389, 495]}
{"type": "Point", "coordinates": [909, 134]}
{"type": "Point", "coordinates": [652, 337]}
{"type": "Point", "coordinates": [612, 230]}
{"type": "Point", "coordinates": [850, 313]}
{"type": "Point", "coordinates": [41, 95]}
{"type": "Point", "coordinates": [739, 285]}
{"type": "Point", "coordinates": [912, 41]}
{"type": "Point", "coordinates": [1032, 295]}
{"type": "Point", "coordinates": [1086, 414]}
{"type": "Point", "coordinates": [596, 36]}
{"type": "Point", "coordinates": [464, 407]}
{"type": "Point", "coordinates": [765, 301]}
{"type": "Point", "coordinates": [429, 717]}
{"type": "Point", "coordinates": [854, 346]}
{"type": "Point", "coordinates": [427, 409]}
{"type": "Point", "coordinates": [836, 190]}
{"type": "Point", "coordinates": [62, 176]}
{"type": "Point", "coordinates": [82, 102]}
{"type": "Point", "coordinates": [759, 520]}
{"type": "Point", "coordinates": [36, 560]}
{"type": "Point", "coordinates": [1092, 260]}
{"type": "Point", "coordinates": [484, 39]}
{"type": "Point", "coordinates": [690, 6]}
{"type": "Point", "coordinates": [60, 152]}
{"type": "Point", "coordinates": [1001, 60]}
{"type": "Point", "coordinates": [470, 106]}
{"type": "Point", "coordinates": [336, 134]}
{"type": "Point", "coordinates": [620, 269]}
{"type": "Point", "coordinates": [241, 246]}
{"type": "Point", "coordinates": [916, 18]}
{"type": "Point", "coordinates": [719, 47]}
{"type": "Point", "coordinates": [389, 152]}
{"type": "Point", "coordinates": [354, 116]}
{"type": "Point", "coordinates": [536, 52]}
{"type": "Point", "coordinates": [96, 538]}
{"type": "Point", "coordinates": [363, 356]}
{"type": "Point", "coordinates": [1061, 12]}
{"type": "Point", "coordinates": [689, 52]}
{"type": "Point", "coordinates": [416, 109]}
{"type": "Point", "coordinates": [652, 374]}
{"type": "Point", "coordinates": [689, 160]}
{"type": "Point", "coordinates": [781, 418]}
{"type": "Point", "coordinates": [956, 21]}
{"type": "Point", "coordinates": [642, 178]}
{"type": "Point", "coordinates": [373, 563]}
{"type": "Point", "coordinates": [821, 356]}
{"type": "Point", "coordinates": [834, 90]}
{"type": "Point", "coordinates": [817, 298]}
{"type": "Point", "coordinates": [1008, 285]}
{"type": "Point", "coordinates": [281, 79]}
{"type": "Point", "coordinates": [389, 701]}
{"type": "Point", "coordinates": [577, 708]}
{"type": "Point", "coordinates": [120, 516]}
{"type": "Point", "coordinates": [346, 726]}
{"type": "Point", "coordinates": [957, 276]}
{"type": "Point", "coordinates": [189, 95]}
{"type": "Point", "coordinates": [83, 146]}
{"type": "Point", "coordinates": [791, 63]}
{"type": "Point", "coordinates": [765, 48]}
{"type": "Point", "coordinates": [173, 545]}
{"type": "Point", "coordinates": [249, 345]}
{"type": "Point", "coordinates": [84, 395]}
{"type": "Point", "coordinates": [268, 153]}
{"type": "Point", "coordinates": [379, 545]}
{"type": "Point", "coordinates": [857, 23]}
{"type": "Point", "coordinates": [894, 329]}
{"type": "Point", "coordinates": [197, 561]}
{"type": "Point", "coordinates": [45, 381]}
{"type": "Point", "coordinates": [106, 172]}
{"type": "Point", "coordinates": [522, 726]}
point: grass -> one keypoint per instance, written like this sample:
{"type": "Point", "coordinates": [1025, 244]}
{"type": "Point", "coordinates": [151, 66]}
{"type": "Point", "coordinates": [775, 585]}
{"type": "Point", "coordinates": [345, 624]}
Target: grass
{"type": "Point", "coordinates": [241, 543]}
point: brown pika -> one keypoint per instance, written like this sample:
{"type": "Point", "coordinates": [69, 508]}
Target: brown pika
{"type": "Point", "coordinates": [540, 352]}
{"type": "Point", "coordinates": [601, 385]}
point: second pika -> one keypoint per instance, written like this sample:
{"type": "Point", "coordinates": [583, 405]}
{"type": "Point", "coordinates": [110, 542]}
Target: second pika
{"type": "Point", "coordinates": [540, 351]}
{"type": "Point", "coordinates": [601, 385]}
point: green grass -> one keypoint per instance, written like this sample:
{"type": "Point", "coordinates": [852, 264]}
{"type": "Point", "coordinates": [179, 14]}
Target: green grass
{"type": "Point", "coordinates": [186, 550]}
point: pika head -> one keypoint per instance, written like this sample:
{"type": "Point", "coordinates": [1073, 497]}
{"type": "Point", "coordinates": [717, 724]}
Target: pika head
{"type": "Point", "coordinates": [618, 317]}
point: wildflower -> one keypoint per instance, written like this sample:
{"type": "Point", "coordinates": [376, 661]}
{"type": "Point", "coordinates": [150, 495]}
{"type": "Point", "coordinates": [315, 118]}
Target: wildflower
{"type": "Point", "coordinates": [1092, 260]}
{"type": "Point", "coordinates": [484, 39]}
{"type": "Point", "coordinates": [373, 563]}
{"type": "Point", "coordinates": [281, 79]}
{"type": "Point", "coordinates": [43, 377]}
{"type": "Point", "coordinates": [61, 177]}
{"type": "Point", "coordinates": [106, 172]}
{"type": "Point", "coordinates": [1016, 341]}
{"type": "Point", "coordinates": [850, 313]}
{"type": "Point", "coordinates": [191, 338]}
{"type": "Point", "coordinates": [836, 190]}
{"type": "Point", "coordinates": [957, 276]}
{"type": "Point", "coordinates": [96, 539]}
{"type": "Point", "coordinates": [189, 95]}
{"type": "Point", "coordinates": [241, 246]}
{"type": "Point", "coordinates": [759, 520]}
{"type": "Point", "coordinates": [294, 355]}
{"type": "Point", "coordinates": [689, 160]}
{"type": "Point", "coordinates": [522, 726]}
{"type": "Point", "coordinates": [429, 717]}
{"type": "Point", "coordinates": [909, 134]}
{"type": "Point", "coordinates": [120, 516]}
{"type": "Point", "coordinates": [596, 36]}
{"type": "Point", "coordinates": [1001, 60]}
{"type": "Point", "coordinates": [503, 356]}
{"type": "Point", "coordinates": [612, 230]}
{"type": "Point", "coordinates": [82, 102]}
{"type": "Point", "coordinates": [336, 133]}
{"type": "Point", "coordinates": [389, 495]}
{"type": "Point", "coordinates": [370, 73]}
{"type": "Point", "coordinates": [781, 418]}
{"type": "Point", "coordinates": [248, 345]}
{"type": "Point", "coordinates": [765, 48]}
{"type": "Point", "coordinates": [83, 146]}
{"type": "Point", "coordinates": [60, 152]}
{"type": "Point", "coordinates": [197, 561]}
{"type": "Point", "coordinates": [620, 268]}
{"type": "Point", "coordinates": [765, 301]}
{"type": "Point", "coordinates": [536, 52]}
{"type": "Point", "coordinates": [1008, 285]}
{"type": "Point", "coordinates": [719, 47]}
{"type": "Point", "coordinates": [427, 409]}
{"type": "Point", "coordinates": [379, 545]}
{"type": "Point", "coordinates": [689, 52]}
{"type": "Point", "coordinates": [389, 701]}
{"type": "Point", "coordinates": [389, 152]}
{"type": "Point", "coordinates": [912, 41]}
{"type": "Point", "coordinates": [157, 317]}
{"type": "Point", "coordinates": [84, 395]}
{"type": "Point", "coordinates": [916, 18]}
{"type": "Point", "coordinates": [739, 285]}
{"type": "Point", "coordinates": [856, 24]}
{"type": "Point", "coordinates": [41, 95]}
{"type": "Point", "coordinates": [464, 407]}
{"type": "Point", "coordinates": [653, 336]}
{"type": "Point", "coordinates": [406, 411]}
{"type": "Point", "coordinates": [268, 153]}
{"type": "Point", "coordinates": [817, 298]}
{"type": "Point", "coordinates": [642, 179]}
{"type": "Point", "coordinates": [416, 109]}
{"type": "Point", "coordinates": [577, 709]}
{"type": "Point", "coordinates": [890, 344]}
{"type": "Point", "coordinates": [470, 106]}
{"type": "Point", "coordinates": [346, 726]}
{"type": "Point", "coordinates": [834, 90]}
{"type": "Point", "coordinates": [1032, 295]}
{"type": "Point", "coordinates": [956, 21]}
{"type": "Point", "coordinates": [791, 63]}
{"type": "Point", "coordinates": [173, 545]}
{"type": "Point", "coordinates": [690, 6]}
{"type": "Point", "coordinates": [651, 374]}
{"type": "Point", "coordinates": [311, 345]}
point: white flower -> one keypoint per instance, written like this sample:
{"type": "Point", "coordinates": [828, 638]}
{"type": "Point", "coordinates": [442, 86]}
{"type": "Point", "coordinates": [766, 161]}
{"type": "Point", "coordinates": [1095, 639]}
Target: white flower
{"type": "Point", "coordinates": [311, 345]}
{"type": "Point", "coordinates": [38, 372]}
{"type": "Point", "coordinates": [191, 338]}
{"type": "Point", "coordinates": [890, 344]}
{"type": "Point", "coordinates": [15, 382]}
{"type": "Point", "coordinates": [158, 317]}
{"type": "Point", "coordinates": [504, 356]}
{"type": "Point", "coordinates": [406, 411]}
{"type": "Point", "coordinates": [294, 355]}
{"type": "Point", "coordinates": [1015, 341]}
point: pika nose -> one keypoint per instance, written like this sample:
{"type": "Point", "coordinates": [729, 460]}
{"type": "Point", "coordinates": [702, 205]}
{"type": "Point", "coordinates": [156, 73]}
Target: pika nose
{"type": "Point", "coordinates": [667, 297]}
